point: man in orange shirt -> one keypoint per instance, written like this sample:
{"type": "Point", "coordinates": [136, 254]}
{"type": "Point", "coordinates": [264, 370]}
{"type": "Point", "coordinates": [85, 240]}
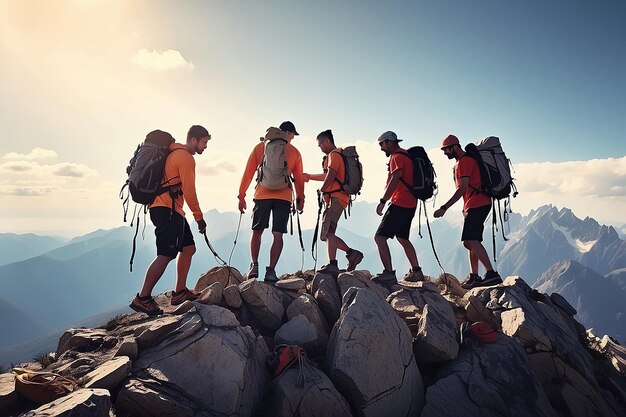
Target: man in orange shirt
{"type": "Point", "coordinates": [173, 235]}
{"type": "Point", "coordinates": [399, 215]}
{"type": "Point", "coordinates": [275, 201]}
{"type": "Point", "coordinates": [336, 201]}
{"type": "Point", "coordinates": [476, 207]}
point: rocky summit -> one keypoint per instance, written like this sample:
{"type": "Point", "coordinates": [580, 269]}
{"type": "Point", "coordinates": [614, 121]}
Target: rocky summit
{"type": "Point", "coordinates": [319, 345]}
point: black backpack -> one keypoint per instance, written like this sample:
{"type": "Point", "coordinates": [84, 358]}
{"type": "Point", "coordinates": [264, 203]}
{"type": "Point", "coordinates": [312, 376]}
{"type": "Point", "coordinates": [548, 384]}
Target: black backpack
{"type": "Point", "coordinates": [145, 175]}
{"type": "Point", "coordinates": [424, 177]}
{"type": "Point", "coordinates": [145, 169]}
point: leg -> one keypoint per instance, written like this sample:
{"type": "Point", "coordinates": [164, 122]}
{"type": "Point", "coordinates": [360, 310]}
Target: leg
{"type": "Point", "coordinates": [255, 244]}
{"type": "Point", "coordinates": [276, 249]}
{"type": "Point", "coordinates": [280, 218]}
{"type": "Point", "coordinates": [477, 253]}
{"type": "Point", "coordinates": [409, 250]}
{"type": "Point", "coordinates": [154, 273]}
{"type": "Point", "coordinates": [183, 264]}
{"type": "Point", "coordinates": [383, 251]}
{"type": "Point", "coordinates": [334, 242]}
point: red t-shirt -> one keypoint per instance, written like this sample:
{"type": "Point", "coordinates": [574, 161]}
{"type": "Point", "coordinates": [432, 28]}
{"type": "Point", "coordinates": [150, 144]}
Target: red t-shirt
{"type": "Point", "coordinates": [468, 167]}
{"type": "Point", "coordinates": [401, 196]}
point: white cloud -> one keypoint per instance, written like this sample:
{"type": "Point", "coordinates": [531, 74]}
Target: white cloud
{"type": "Point", "coordinates": [162, 60]}
{"type": "Point", "coordinates": [35, 154]}
{"type": "Point", "coordinates": [72, 170]}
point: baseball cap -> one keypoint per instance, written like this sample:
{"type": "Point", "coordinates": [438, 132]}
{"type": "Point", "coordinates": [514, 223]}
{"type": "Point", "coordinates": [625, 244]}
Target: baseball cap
{"type": "Point", "coordinates": [450, 140]}
{"type": "Point", "coordinates": [390, 136]}
{"type": "Point", "coordinates": [288, 126]}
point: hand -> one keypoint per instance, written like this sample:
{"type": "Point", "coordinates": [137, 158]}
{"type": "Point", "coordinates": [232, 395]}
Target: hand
{"type": "Point", "coordinates": [305, 177]}
{"type": "Point", "coordinates": [201, 226]}
{"type": "Point", "coordinates": [242, 205]}
{"type": "Point", "coordinates": [379, 208]}
{"type": "Point", "coordinates": [300, 204]}
{"type": "Point", "coordinates": [440, 212]}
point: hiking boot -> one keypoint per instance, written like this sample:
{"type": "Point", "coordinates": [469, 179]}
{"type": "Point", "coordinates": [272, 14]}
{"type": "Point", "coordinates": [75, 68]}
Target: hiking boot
{"type": "Point", "coordinates": [179, 297]}
{"type": "Point", "coordinates": [270, 275]}
{"type": "Point", "coordinates": [385, 278]}
{"type": "Point", "coordinates": [354, 258]}
{"type": "Point", "coordinates": [491, 278]}
{"type": "Point", "coordinates": [470, 282]}
{"type": "Point", "coordinates": [145, 305]}
{"type": "Point", "coordinates": [329, 269]}
{"type": "Point", "coordinates": [253, 272]}
{"type": "Point", "coordinates": [414, 275]}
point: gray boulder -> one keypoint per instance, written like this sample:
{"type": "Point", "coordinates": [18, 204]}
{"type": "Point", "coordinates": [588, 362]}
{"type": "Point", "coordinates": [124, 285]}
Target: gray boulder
{"type": "Point", "coordinates": [300, 331]}
{"type": "Point", "coordinates": [218, 369]}
{"type": "Point", "coordinates": [324, 289]}
{"type": "Point", "coordinates": [370, 358]}
{"type": "Point", "coordinates": [80, 403]}
{"type": "Point", "coordinates": [488, 380]}
{"type": "Point", "coordinates": [264, 303]}
{"type": "Point", "coordinates": [306, 393]}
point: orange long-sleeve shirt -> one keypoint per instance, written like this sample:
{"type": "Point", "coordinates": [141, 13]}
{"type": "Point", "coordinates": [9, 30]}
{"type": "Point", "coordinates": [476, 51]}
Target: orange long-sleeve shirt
{"type": "Point", "coordinates": [294, 163]}
{"type": "Point", "coordinates": [180, 168]}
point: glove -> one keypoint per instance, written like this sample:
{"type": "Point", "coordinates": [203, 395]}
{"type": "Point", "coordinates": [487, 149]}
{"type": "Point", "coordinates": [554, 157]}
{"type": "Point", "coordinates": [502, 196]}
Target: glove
{"type": "Point", "coordinates": [201, 226]}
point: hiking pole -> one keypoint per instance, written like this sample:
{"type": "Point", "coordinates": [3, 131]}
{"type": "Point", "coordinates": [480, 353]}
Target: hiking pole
{"type": "Point", "coordinates": [432, 243]}
{"type": "Point", "coordinates": [300, 238]}
{"type": "Point", "coordinates": [218, 259]}
{"type": "Point", "coordinates": [317, 226]}
{"type": "Point", "coordinates": [235, 242]}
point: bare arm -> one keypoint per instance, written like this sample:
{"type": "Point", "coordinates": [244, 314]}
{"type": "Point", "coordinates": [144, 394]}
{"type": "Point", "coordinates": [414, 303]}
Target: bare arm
{"type": "Point", "coordinates": [463, 185]}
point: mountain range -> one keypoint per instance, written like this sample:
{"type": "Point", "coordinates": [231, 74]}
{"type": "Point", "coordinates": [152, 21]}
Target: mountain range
{"type": "Point", "coordinates": [48, 284]}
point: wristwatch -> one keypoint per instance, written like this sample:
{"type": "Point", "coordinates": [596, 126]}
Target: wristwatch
{"type": "Point", "coordinates": [382, 201]}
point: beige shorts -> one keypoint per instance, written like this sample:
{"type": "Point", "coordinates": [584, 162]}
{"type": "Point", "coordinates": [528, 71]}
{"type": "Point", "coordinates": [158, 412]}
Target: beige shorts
{"type": "Point", "coordinates": [330, 218]}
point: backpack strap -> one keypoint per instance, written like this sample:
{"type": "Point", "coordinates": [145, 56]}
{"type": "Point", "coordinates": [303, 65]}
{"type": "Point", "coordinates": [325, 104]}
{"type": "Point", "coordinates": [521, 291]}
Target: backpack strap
{"type": "Point", "coordinates": [403, 181]}
{"type": "Point", "coordinates": [336, 150]}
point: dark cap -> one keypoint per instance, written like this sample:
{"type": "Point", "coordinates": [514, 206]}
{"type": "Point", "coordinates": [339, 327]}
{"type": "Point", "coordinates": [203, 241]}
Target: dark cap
{"type": "Point", "coordinates": [390, 136]}
{"type": "Point", "coordinates": [288, 127]}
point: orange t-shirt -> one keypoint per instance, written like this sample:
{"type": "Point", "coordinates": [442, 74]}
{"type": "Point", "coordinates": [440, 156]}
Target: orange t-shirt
{"type": "Point", "coordinates": [335, 161]}
{"type": "Point", "coordinates": [294, 164]}
{"type": "Point", "coordinates": [402, 196]}
{"type": "Point", "coordinates": [468, 167]}
{"type": "Point", "coordinates": [180, 168]}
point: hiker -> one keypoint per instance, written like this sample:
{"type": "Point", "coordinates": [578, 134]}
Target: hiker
{"type": "Point", "coordinates": [476, 207]}
{"type": "Point", "coordinates": [275, 159]}
{"type": "Point", "coordinates": [336, 200]}
{"type": "Point", "coordinates": [173, 234]}
{"type": "Point", "coordinates": [399, 215]}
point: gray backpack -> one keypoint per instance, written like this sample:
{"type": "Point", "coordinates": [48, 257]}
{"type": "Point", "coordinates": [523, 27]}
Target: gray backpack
{"type": "Point", "coordinates": [273, 173]}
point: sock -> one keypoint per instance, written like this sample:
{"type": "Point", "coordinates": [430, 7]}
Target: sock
{"type": "Point", "coordinates": [333, 262]}
{"type": "Point", "coordinates": [349, 252]}
{"type": "Point", "coordinates": [417, 268]}
{"type": "Point", "coordinates": [147, 297]}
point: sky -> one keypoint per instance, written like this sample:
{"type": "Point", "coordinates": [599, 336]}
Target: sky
{"type": "Point", "coordinates": [83, 82]}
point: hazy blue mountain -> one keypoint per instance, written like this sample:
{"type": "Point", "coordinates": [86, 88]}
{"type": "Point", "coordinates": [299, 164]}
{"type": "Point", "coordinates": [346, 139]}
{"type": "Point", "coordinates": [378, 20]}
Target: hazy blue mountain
{"type": "Point", "coordinates": [599, 301]}
{"type": "Point", "coordinates": [619, 277]}
{"type": "Point", "coordinates": [15, 248]}
{"type": "Point", "coordinates": [46, 341]}
{"type": "Point", "coordinates": [13, 331]}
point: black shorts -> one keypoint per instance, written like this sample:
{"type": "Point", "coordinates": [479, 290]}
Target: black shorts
{"type": "Point", "coordinates": [280, 214]}
{"type": "Point", "coordinates": [474, 223]}
{"type": "Point", "coordinates": [172, 232]}
{"type": "Point", "coordinates": [396, 222]}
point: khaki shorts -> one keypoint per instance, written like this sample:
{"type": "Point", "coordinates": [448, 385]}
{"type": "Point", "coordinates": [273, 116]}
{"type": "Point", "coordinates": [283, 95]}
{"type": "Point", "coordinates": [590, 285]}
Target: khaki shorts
{"type": "Point", "coordinates": [330, 218]}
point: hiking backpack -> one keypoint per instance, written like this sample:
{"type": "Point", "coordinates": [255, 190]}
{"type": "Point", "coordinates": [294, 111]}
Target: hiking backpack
{"type": "Point", "coordinates": [145, 176]}
{"type": "Point", "coordinates": [495, 178]}
{"type": "Point", "coordinates": [273, 173]}
{"type": "Point", "coordinates": [424, 178]}
{"type": "Point", "coordinates": [353, 181]}
{"type": "Point", "coordinates": [145, 169]}
{"type": "Point", "coordinates": [494, 166]}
